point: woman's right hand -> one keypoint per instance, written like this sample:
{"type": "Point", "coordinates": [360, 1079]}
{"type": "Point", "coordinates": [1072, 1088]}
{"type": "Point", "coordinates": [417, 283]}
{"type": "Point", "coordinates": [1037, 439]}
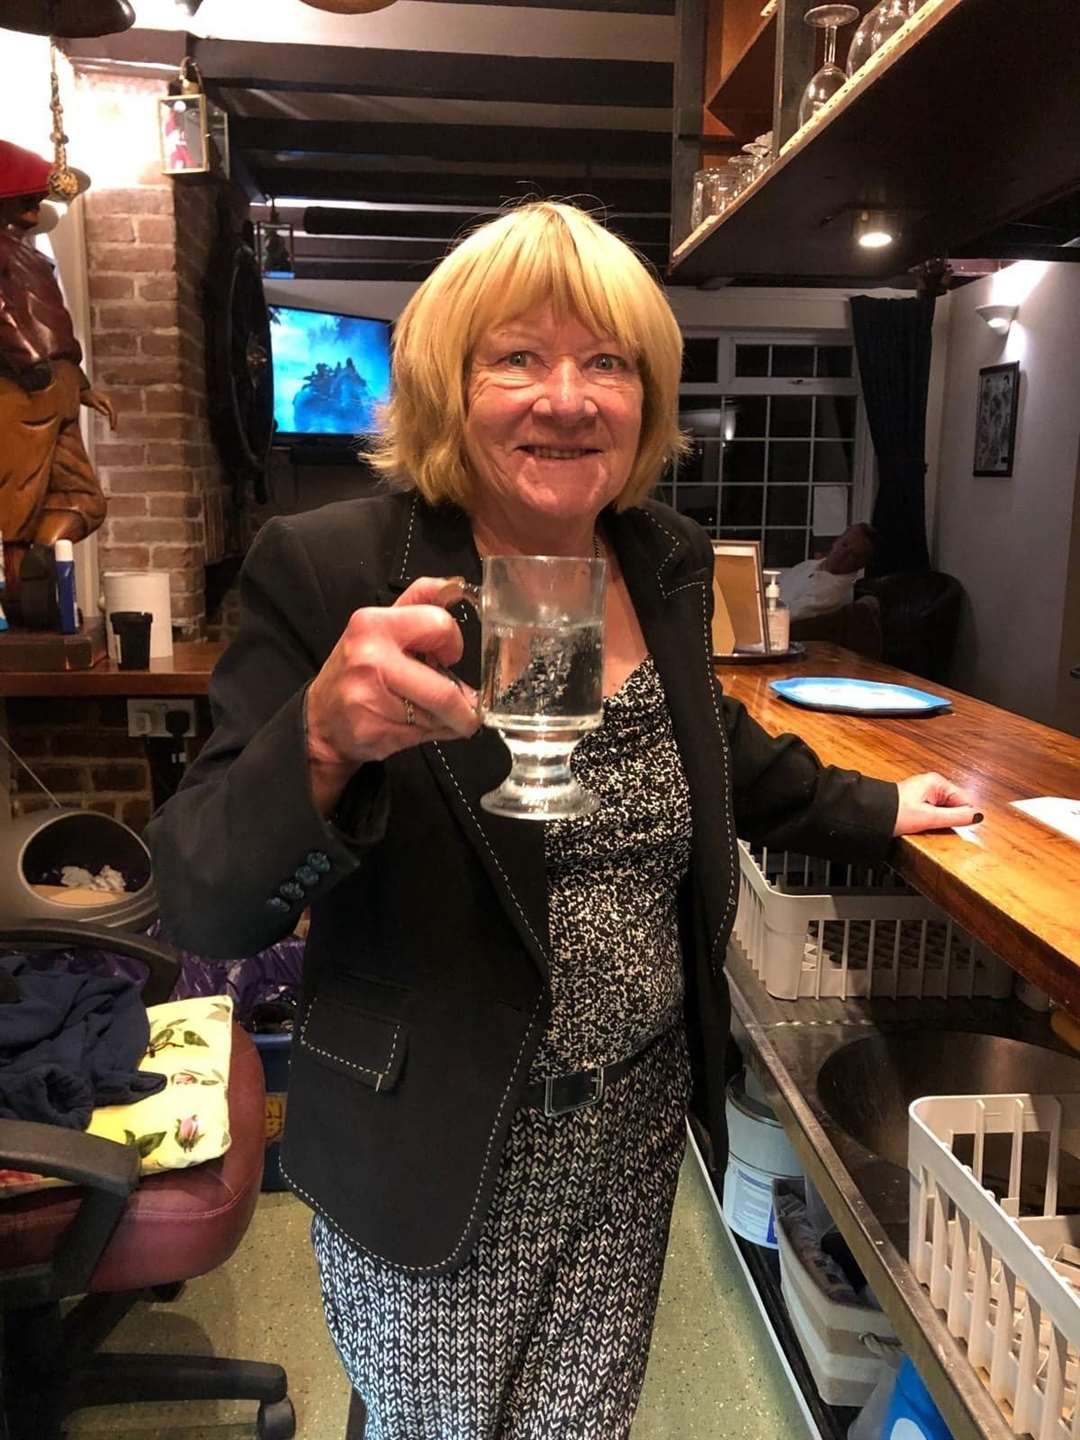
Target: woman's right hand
{"type": "Point", "coordinates": [356, 705]}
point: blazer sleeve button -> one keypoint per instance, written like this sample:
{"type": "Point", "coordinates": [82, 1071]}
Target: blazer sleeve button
{"type": "Point", "coordinates": [277, 904]}
{"type": "Point", "coordinates": [319, 861]}
{"type": "Point", "coordinates": [291, 891]}
{"type": "Point", "coordinates": [308, 876]}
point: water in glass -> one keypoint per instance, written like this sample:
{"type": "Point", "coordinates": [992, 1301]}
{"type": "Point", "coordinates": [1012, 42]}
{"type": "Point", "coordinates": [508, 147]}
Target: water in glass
{"type": "Point", "coordinates": [542, 677]}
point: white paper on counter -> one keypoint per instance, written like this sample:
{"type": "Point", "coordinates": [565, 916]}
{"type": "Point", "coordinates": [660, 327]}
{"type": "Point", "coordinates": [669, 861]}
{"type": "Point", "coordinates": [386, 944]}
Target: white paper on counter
{"type": "Point", "coordinates": [1053, 810]}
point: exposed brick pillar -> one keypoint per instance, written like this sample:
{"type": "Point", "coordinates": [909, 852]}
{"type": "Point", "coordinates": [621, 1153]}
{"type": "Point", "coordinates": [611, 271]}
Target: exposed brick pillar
{"type": "Point", "coordinates": [147, 246]}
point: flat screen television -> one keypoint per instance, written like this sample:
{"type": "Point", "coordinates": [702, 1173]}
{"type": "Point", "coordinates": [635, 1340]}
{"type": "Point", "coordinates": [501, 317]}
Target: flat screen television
{"type": "Point", "coordinates": [331, 373]}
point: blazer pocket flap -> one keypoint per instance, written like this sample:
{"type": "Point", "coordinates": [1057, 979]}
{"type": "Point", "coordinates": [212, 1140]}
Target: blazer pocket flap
{"type": "Point", "coordinates": [366, 1047]}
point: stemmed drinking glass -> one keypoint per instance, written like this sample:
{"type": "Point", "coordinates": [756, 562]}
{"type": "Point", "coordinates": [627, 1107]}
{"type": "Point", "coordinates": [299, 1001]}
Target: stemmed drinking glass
{"type": "Point", "coordinates": [541, 675]}
{"type": "Point", "coordinates": [823, 85]}
{"type": "Point", "coordinates": [876, 27]}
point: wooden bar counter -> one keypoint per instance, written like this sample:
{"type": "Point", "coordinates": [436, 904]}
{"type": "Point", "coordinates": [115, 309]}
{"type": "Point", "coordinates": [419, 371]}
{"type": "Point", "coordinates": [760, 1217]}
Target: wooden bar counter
{"type": "Point", "coordinates": [1014, 883]}
{"type": "Point", "coordinates": [185, 672]}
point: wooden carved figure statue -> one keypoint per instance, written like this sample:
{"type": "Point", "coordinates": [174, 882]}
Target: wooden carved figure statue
{"type": "Point", "coordinates": [48, 489]}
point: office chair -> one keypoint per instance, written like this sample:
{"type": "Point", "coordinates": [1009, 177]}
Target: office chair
{"type": "Point", "coordinates": [117, 1237]}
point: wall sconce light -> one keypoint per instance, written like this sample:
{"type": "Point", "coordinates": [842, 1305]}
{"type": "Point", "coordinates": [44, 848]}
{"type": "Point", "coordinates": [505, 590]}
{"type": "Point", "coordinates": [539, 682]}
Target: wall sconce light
{"type": "Point", "coordinates": [998, 317]}
{"type": "Point", "coordinates": [192, 131]}
{"type": "Point", "coordinates": [874, 229]}
{"type": "Point", "coordinates": [274, 247]}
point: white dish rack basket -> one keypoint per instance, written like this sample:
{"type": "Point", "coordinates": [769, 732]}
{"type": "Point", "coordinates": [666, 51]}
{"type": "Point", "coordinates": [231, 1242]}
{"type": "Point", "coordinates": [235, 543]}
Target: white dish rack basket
{"type": "Point", "coordinates": [820, 929]}
{"type": "Point", "coordinates": [1008, 1284]}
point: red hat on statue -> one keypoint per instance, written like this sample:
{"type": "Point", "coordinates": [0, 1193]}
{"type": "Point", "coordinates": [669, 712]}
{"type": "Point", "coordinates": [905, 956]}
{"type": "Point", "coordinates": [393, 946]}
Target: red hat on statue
{"type": "Point", "coordinates": [22, 172]}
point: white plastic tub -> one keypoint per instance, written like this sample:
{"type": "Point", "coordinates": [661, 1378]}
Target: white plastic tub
{"type": "Point", "coordinates": [1007, 1283]}
{"type": "Point", "coordinates": [811, 928]}
{"type": "Point", "coordinates": [843, 1341]}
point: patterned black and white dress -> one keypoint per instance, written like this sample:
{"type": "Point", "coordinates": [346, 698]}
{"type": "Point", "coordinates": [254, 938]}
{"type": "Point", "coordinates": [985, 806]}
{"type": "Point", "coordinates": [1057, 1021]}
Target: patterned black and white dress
{"type": "Point", "coordinates": [544, 1333]}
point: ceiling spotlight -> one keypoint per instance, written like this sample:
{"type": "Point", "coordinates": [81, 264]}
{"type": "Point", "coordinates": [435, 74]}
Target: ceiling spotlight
{"type": "Point", "coordinates": [874, 229]}
{"type": "Point", "coordinates": [998, 317]}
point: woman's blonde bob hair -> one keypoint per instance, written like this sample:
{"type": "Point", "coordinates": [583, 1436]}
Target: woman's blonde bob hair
{"type": "Point", "coordinates": [540, 254]}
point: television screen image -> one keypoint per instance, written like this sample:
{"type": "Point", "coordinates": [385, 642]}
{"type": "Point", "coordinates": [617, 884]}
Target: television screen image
{"type": "Point", "coordinates": [331, 372]}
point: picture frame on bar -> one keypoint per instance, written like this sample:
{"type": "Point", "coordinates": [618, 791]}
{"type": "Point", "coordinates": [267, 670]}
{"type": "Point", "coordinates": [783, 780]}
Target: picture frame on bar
{"type": "Point", "coordinates": [995, 419]}
{"type": "Point", "coordinates": [739, 622]}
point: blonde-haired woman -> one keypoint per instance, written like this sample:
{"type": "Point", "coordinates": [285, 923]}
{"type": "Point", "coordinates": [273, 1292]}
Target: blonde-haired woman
{"type": "Point", "coordinates": [499, 1020]}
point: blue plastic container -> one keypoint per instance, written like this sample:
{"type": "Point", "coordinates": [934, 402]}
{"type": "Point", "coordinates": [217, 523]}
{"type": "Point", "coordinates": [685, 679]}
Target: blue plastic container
{"type": "Point", "coordinates": [274, 1052]}
{"type": "Point", "coordinates": [912, 1415]}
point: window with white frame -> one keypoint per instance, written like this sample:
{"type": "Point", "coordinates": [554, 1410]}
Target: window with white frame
{"type": "Point", "coordinates": [780, 450]}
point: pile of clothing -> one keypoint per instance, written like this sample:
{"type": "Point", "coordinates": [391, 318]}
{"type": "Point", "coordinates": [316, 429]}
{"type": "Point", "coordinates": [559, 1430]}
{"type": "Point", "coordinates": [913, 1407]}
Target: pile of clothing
{"type": "Point", "coordinates": [68, 1043]}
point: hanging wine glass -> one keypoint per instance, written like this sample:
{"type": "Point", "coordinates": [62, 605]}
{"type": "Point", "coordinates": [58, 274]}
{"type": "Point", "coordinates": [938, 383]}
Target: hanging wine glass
{"type": "Point", "coordinates": [876, 27]}
{"type": "Point", "coordinates": [830, 79]}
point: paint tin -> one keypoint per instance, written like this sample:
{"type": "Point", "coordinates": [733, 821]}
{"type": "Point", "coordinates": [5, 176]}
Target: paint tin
{"type": "Point", "coordinates": [758, 1154]}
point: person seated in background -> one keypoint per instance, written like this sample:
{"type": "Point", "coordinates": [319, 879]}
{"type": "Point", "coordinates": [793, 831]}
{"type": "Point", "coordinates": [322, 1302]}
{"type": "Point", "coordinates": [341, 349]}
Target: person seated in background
{"type": "Point", "coordinates": [817, 587]}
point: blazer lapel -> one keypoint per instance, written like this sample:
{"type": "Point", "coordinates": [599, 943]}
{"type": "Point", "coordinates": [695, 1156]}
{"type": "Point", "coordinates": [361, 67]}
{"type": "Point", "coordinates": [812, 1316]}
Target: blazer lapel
{"type": "Point", "coordinates": [670, 589]}
{"type": "Point", "coordinates": [439, 542]}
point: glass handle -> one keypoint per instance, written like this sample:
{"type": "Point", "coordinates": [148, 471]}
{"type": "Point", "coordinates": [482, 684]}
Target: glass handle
{"type": "Point", "coordinates": [456, 589]}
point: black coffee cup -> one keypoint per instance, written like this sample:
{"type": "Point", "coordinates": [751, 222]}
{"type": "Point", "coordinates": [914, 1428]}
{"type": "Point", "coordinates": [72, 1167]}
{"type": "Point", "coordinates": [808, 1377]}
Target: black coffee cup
{"type": "Point", "coordinates": [132, 629]}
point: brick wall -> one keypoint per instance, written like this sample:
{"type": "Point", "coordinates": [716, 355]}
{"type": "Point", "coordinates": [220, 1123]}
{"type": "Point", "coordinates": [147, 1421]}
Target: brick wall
{"type": "Point", "coordinates": [81, 751]}
{"type": "Point", "coordinates": [147, 246]}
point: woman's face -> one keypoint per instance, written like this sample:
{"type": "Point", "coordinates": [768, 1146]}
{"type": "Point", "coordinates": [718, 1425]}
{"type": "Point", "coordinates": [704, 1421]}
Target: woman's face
{"type": "Point", "coordinates": [554, 416]}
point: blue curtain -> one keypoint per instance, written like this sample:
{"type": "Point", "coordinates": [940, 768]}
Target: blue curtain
{"type": "Point", "coordinates": [892, 341]}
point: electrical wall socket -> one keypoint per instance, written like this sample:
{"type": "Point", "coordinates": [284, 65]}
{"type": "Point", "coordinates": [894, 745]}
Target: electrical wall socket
{"type": "Point", "coordinates": [147, 717]}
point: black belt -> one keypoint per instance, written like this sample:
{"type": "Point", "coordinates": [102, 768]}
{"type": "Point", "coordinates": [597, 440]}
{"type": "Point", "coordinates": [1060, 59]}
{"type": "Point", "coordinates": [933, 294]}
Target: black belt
{"type": "Point", "coordinates": [561, 1094]}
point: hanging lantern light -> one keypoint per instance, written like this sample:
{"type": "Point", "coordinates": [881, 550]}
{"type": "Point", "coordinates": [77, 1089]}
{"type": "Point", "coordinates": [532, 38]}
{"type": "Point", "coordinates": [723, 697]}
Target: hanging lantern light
{"type": "Point", "coordinates": [193, 132]}
{"type": "Point", "coordinates": [65, 182]}
{"type": "Point", "coordinates": [274, 246]}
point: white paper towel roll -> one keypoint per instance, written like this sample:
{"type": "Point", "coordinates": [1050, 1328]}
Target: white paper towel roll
{"type": "Point", "coordinates": [140, 590]}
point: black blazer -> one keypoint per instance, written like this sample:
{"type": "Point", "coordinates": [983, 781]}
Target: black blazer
{"type": "Point", "coordinates": [425, 991]}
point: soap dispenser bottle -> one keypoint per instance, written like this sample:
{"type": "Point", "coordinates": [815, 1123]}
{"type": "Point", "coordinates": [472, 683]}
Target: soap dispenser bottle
{"type": "Point", "coordinates": [777, 616]}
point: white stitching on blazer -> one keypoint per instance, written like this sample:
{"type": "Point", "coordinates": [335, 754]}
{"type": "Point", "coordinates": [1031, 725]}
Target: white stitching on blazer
{"type": "Point", "coordinates": [438, 750]}
{"type": "Point", "coordinates": [351, 1064]}
{"type": "Point", "coordinates": [408, 535]}
{"type": "Point", "coordinates": [425, 1269]}
{"type": "Point", "coordinates": [733, 859]}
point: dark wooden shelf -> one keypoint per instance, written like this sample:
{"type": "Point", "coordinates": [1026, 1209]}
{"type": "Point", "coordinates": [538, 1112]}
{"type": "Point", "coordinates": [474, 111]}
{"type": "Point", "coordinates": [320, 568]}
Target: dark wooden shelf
{"type": "Point", "coordinates": [185, 672]}
{"type": "Point", "coordinates": [970, 121]}
{"type": "Point", "coordinates": [746, 89]}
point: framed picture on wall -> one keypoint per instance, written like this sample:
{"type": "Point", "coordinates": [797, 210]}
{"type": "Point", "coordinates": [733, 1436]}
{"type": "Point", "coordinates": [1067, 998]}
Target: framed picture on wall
{"type": "Point", "coordinates": [995, 419]}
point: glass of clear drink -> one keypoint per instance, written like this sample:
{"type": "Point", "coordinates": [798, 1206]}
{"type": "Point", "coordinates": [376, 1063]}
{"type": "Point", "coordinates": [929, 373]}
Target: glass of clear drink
{"type": "Point", "coordinates": [541, 685]}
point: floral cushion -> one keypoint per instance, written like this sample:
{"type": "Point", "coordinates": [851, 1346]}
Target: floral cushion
{"type": "Point", "coordinates": [188, 1121]}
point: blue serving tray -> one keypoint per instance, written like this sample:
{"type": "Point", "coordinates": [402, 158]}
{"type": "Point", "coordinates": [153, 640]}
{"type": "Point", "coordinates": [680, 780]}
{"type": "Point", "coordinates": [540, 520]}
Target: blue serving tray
{"type": "Point", "coordinates": [858, 697]}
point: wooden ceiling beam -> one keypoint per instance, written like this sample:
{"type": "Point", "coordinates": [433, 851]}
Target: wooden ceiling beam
{"type": "Point", "coordinates": [509, 143]}
{"type": "Point", "coordinates": [349, 70]}
{"type": "Point", "coordinates": [447, 225]}
{"type": "Point", "coordinates": [609, 7]}
{"type": "Point", "coordinates": [328, 251]}
{"type": "Point", "coordinates": [481, 191]}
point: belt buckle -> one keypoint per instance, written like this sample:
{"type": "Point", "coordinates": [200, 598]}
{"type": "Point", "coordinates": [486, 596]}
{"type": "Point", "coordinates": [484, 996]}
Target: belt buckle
{"type": "Point", "coordinates": [552, 1109]}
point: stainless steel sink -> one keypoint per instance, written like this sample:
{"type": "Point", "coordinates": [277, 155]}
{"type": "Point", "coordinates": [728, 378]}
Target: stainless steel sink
{"type": "Point", "coordinates": [866, 1085]}
{"type": "Point", "coordinates": [844, 1102]}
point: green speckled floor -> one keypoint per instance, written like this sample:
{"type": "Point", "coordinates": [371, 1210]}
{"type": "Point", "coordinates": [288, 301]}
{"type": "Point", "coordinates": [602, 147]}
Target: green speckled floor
{"type": "Point", "coordinates": [712, 1371]}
